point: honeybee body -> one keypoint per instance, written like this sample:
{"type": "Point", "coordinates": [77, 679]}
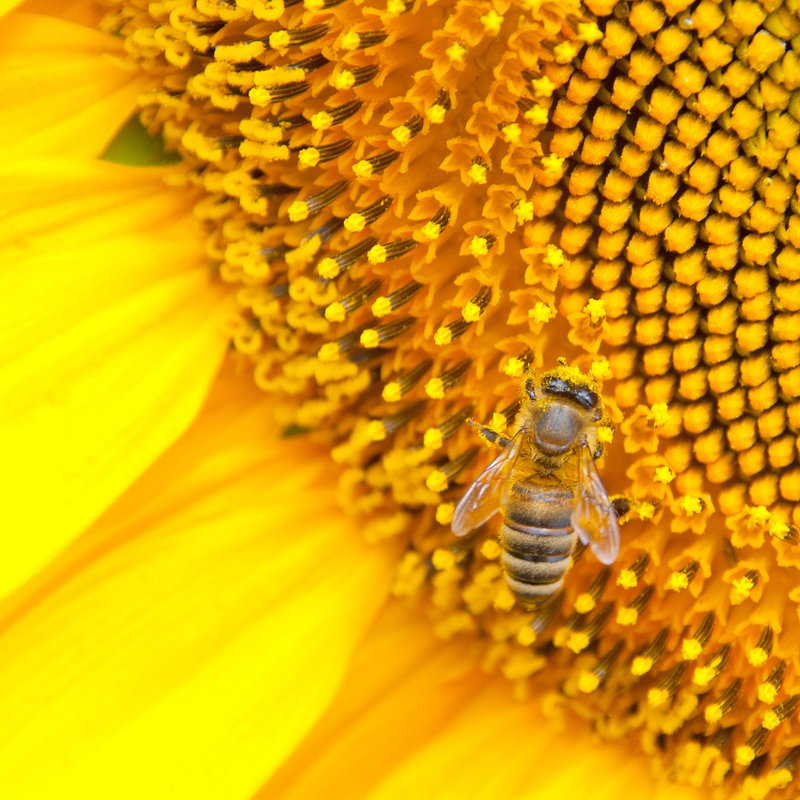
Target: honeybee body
{"type": "Point", "coordinates": [537, 537]}
{"type": "Point", "coordinates": [546, 485]}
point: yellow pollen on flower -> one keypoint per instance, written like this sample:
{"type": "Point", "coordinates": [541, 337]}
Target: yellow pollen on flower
{"type": "Point", "coordinates": [658, 416]}
{"type": "Point", "coordinates": [279, 40]}
{"type": "Point", "coordinates": [434, 388]}
{"type": "Point", "coordinates": [456, 53]}
{"type": "Point", "coordinates": [433, 438]}
{"type": "Point", "coordinates": [370, 338]}
{"type": "Point", "coordinates": [536, 115]}
{"type": "Point", "coordinates": [543, 87]}
{"type": "Point", "coordinates": [344, 80]}
{"type": "Point", "coordinates": [240, 52]}
{"type": "Point", "coordinates": [713, 713]}
{"type": "Point", "coordinates": [430, 231]}
{"type": "Point", "coordinates": [757, 656]}
{"type": "Point", "coordinates": [771, 720]}
{"type": "Point", "coordinates": [437, 481]}
{"type": "Point", "coordinates": [691, 505]}
{"type": "Point", "coordinates": [578, 642]}
{"type": "Point", "coordinates": [377, 254]}
{"type": "Point", "coordinates": [444, 513]}
{"type": "Point", "coordinates": [308, 157]}
{"type": "Point", "coordinates": [298, 211]}
{"type": "Point", "coordinates": [704, 675]}
{"type": "Point", "coordinates": [355, 223]}
{"type": "Point", "coordinates": [363, 169]}
{"type": "Point", "coordinates": [328, 268]}
{"type": "Point", "coordinates": [647, 511]}
{"type": "Point", "coordinates": [512, 133]}
{"type": "Point", "coordinates": [584, 603]}
{"type": "Point", "coordinates": [741, 589]}
{"type": "Point", "coordinates": [392, 392]}
{"type": "Point", "coordinates": [554, 256]}
{"type": "Point", "coordinates": [478, 246]}
{"type": "Point", "coordinates": [492, 22]}
{"type": "Point", "coordinates": [471, 312]}
{"type": "Point", "coordinates": [443, 336]}
{"type": "Point", "coordinates": [490, 549]}
{"type": "Point", "coordinates": [691, 649]}
{"type": "Point", "coordinates": [514, 367]}
{"type": "Point", "coordinates": [553, 166]}
{"type": "Point", "coordinates": [401, 134]}
{"type": "Point", "coordinates": [588, 682]}
{"type": "Point", "coordinates": [542, 312]}
{"type": "Point", "coordinates": [779, 529]}
{"type": "Point", "coordinates": [627, 616]}
{"type": "Point", "coordinates": [664, 475]}
{"type": "Point", "coordinates": [395, 8]}
{"type": "Point", "coordinates": [767, 693]}
{"type": "Point", "coordinates": [443, 559]}
{"type": "Point", "coordinates": [376, 431]}
{"type": "Point", "coordinates": [329, 352]}
{"type": "Point", "coordinates": [595, 310]}
{"type": "Point", "coordinates": [504, 601]}
{"type": "Point", "coordinates": [565, 52]}
{"type": "Point", "coordinates": [526, 636]}
{"type": "Point", "coordinates": [350, 41]}
{"type": "Point", "coordinates": [589, 32]}
{"type": "Point", "coordinates": [641, 665]}
{"type": "Point", "coordinates": [657, 697]}
{"type": "Point", "coordinates": [335, 312]}
{"type": "Point", "coordinates": [477, 173]}
{"type": "Point", "coordinates": [759, 515]}
{"type": "Point", "coordinates": [745, 755]}
{"type": "Point", "coordinates": [436, 114]}
{"type": "Point", "coordinates": [627, 579]}
{"type": "Point", "coordinates": [677, 581]}
{"type": "Point", "coordinates": [523, 211]}
{"type": "Point", "coordinates": [381, 307]}
{"type": "Point", "coordinates": [321, 121]}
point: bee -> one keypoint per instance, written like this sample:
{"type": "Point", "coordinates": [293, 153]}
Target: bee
{"type": "Point", "coordinates": [546, 484]}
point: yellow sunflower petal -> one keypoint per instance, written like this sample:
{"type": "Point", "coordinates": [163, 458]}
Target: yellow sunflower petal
{"type": "Point", "coordinates": [109, 341]}
{"type": "Point", "coordinates": [404, 685]}
{"type": "Point", "coordinates": [68, 96]}
{"type": "Point", "coordinates": [191, 638]}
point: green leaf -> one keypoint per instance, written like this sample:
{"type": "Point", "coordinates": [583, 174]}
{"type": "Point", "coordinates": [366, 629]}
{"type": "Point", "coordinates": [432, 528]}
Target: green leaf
{"type": "Point", "coordinates": [135, 147]}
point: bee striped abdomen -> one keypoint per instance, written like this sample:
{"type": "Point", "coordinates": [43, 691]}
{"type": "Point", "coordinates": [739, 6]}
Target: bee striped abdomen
{"type": "Point", "coordinates": [537, 538]}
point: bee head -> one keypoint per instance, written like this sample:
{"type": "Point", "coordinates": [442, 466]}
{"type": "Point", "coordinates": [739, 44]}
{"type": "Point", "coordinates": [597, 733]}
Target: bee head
{"type": "Point", "coordinates": [566, 407]}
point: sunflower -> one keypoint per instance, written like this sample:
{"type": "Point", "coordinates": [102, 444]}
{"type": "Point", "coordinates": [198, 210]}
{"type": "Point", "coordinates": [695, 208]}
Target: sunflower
{"type": "Point", "coordinates": [235, 427]}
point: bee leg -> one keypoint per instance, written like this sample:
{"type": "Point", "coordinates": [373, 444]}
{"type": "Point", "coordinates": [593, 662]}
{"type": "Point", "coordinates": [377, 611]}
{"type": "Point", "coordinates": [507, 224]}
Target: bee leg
{"type": "Point", "coordinates": [621, 504]}
{"type": "Point", "coordinates": [491, 436]}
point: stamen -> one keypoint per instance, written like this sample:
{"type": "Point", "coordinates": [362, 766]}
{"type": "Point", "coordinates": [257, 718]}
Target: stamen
{"type": "Point", "coordinates": [440, 479]}
{"type": "Point", "coordinates": [376, 164]}
{"type": "Point", "coordinates": [592, 679]}
{"type": "Point", "coordinates": [768, 691]}
{"type": "Point", "coordinates": [630, 614]}
{"type": "Point", "coordinates": [583, 637]}
{"type": "Point", "coordinates": [381, 253]}
{"type": "Point", "coordinates": [759, 654]}
{"type": "Point", "coordinates": [691, 648]}
{"type": "Point", "coordinates": [281, 39]}
{"type": "Point", "coordinates": [716, 711]}
{"type": "Point", "coordinates": [302, 209]}
{"type": "Point", "coordinates": [373, 337]}
{"type": "Point", "coordinates": [338, 311]}
{"type": "Point", "coordinates": [708, 673]}
{"type": "Point", "coordinates": [781, 712]}
{"type": "Point", "coordinates": [393, 423]}
{"type": "Point", "coordinates": [668, 687]}
{"type": "Point", "coordinates": [330, 268]}
{"type": "Point", "coordinates": [401, 386]}
{"type": "Point", "coordinates": [437, 387]}
{"type": "Point", "coordinates": [630, 576]}
{"type": "Point", "coordinates": [403, 134]}
{"type": "Point", "coordinates": [358, 221]}
{"type": "Point", "coordinates": [435, 437]}
{"type": "Point", "coordinates": [363, 40]}
{"type": "Point", "coordinates": [643, 663]}
{"type": "Point", "coordinates": [323, 120]}
{"type": "Point", "coordinates": [385, 305]}
{"type": "Point", "coordinates": [587, 601]}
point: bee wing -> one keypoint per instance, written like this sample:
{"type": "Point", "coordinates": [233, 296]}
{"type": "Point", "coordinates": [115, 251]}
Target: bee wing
{"type": "Point", "coordinates": [594, 518]}
{"type": "Point", "coordinates": [485, 497]}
